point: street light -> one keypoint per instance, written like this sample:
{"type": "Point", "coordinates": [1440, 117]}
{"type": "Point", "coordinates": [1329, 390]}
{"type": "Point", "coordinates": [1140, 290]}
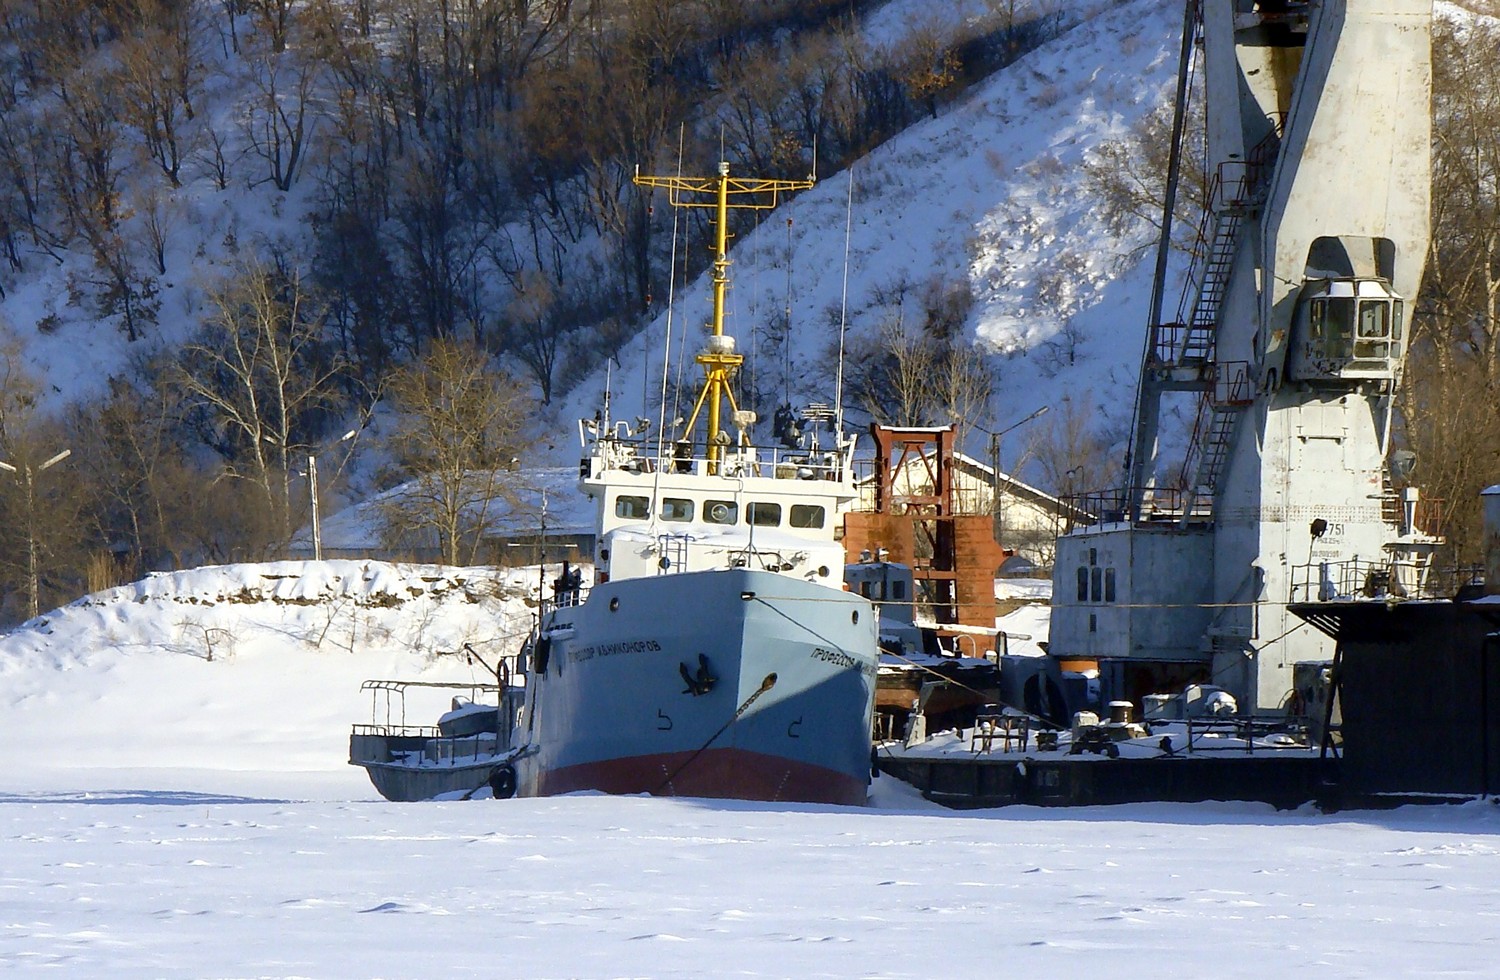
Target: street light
{"type": "Point", "coordinates": [312, 484]}
{"type": "Point", "coordinates": [31, 543]}
{"type": "Point", "coordinates": [995, 437]}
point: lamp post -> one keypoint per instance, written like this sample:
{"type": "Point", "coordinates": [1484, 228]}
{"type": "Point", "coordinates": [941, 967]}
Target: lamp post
{"type": "Point", "coordinates": [28, 481]}
{"type": "Point", "coordinates": [312, 492]}
{"type": "Point", "coordinates": [995, 439]}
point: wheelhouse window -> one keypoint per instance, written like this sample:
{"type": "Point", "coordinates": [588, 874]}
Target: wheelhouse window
{"type": "Point", "coordinates": [1331, 326]}
{"type": "Point", "coordinates": [721, 511]}
{"type": "Point", "coordinates": [676, 509]}
{"type": "Point", "coordinates": [762, 514]}
{"type": "Point", "coordinates": [806, 515]}
{"type": "Point", "coordinates": [1376, 329]}
{"type": "Point", "coordinates": [632, 507]}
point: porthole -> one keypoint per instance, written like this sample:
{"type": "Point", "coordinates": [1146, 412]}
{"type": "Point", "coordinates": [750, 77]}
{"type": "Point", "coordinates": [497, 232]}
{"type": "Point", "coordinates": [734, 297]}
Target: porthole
{"type": "Point", "coordinates": [614, 603]}
{"type": "Point", "coordinates": [854, 617]}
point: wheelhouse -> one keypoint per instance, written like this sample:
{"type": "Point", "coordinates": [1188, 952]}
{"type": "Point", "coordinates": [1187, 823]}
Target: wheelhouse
{"type": "Point", "coordinates": [1347, 329]}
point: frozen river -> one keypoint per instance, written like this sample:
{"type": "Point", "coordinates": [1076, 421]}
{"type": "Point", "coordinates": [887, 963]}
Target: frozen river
{"type": "Point", "coordinates": [191, 884]}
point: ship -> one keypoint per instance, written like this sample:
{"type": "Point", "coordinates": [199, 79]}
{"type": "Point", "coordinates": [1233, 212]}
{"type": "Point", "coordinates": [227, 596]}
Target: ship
{"type": "Point", "coordinates": [459, 755]}
{"type": "Point", "coordinates": [717, 653]}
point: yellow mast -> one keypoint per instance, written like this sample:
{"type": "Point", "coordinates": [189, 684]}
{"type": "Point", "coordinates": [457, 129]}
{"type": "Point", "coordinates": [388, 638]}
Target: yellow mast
{"type": "Point", "coordinates": [719, 359]}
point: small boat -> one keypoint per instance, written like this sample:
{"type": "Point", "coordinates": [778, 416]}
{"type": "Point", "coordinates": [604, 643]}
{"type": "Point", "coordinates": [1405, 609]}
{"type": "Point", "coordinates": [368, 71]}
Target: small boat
{"type": "Point", "coordinates": [718, 653]}
{"type": "Point", "coordinates": [460, 754]}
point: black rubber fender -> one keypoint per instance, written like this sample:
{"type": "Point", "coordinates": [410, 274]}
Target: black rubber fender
{"type": "Point", "coordinates": [503, 781]}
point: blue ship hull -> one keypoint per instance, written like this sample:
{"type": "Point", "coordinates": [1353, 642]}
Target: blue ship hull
{"type": "Point", "coordinates": [734, 683]}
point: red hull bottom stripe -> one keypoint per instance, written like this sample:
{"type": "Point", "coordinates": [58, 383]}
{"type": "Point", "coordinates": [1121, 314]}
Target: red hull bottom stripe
{"type": "Point", "coordinates": [733, 774]}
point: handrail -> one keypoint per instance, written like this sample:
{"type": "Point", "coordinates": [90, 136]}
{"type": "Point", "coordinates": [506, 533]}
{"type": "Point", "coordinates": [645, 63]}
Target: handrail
{"type": "Point", "coordinates": [1159, 505]}
{"type": "Point", "coordinates": [399, 731]}
{"type": "Point", "coordinates": [639, 453]}
{"type": "Point", "coordinates": [1247, 728]}
{"type": "Point", "coordinates": [398, 686]}
{"type": "Point", "coordinates": [1356, 578]}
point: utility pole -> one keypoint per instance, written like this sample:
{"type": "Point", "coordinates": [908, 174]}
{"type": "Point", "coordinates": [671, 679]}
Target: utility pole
{"type": "Point", "coordinates": [28, 482]}
{"type": "Point", "coordinates": [312, 494]}
{"type": "Point", "coordinates": [998, 508]}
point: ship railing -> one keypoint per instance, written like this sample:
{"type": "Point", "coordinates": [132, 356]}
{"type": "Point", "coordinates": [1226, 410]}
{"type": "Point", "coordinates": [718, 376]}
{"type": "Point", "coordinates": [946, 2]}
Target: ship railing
{"type": "Point", "coordinates": [1356, 579]}
{"type": "Point", "coordinates": [395, 697]}
{"type": "Point", "coordinates": [564, 599]}
{"type": "Point", "coordinates": [1449, 580]}
{"type": "Point", "coordinates": [1236, 733]}
{"type": "Point", "coordinates": [427, 743]}
{"type": "Point", "coordinates": [453, 749]}
{"type": "Point", "coordinates": [768, 561]}
{"type": "Point", "coordinates": [646, 455]}
{"type": "Point", "coordinates": [1158, 506]}
{"type": "Point", "coordinates": [399, 731]}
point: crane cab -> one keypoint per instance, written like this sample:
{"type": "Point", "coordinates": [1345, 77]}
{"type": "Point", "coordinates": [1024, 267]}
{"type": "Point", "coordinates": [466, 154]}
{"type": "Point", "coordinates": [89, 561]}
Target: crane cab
{"type": "Point", "coordinates": [1347, 330]}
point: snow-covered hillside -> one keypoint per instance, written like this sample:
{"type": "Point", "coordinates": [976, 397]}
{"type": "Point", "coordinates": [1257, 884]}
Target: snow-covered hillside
{"type": "Point", "coordinates": [242, 667]}
{"type": "Point", "coordinates": [992, 192]}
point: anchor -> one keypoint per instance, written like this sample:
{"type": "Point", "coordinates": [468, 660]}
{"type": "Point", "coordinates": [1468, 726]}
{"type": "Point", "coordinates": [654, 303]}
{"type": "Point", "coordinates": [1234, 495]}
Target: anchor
{"type": "Point", "coordinates": [699, 682]}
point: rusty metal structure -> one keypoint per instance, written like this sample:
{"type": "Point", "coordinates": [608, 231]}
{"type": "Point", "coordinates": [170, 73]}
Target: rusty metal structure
{"type": "Point", "coordinates": [953, 556]}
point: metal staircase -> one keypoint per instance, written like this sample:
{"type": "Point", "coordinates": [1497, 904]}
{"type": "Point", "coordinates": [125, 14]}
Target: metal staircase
{"type": "Point", "coordinates": [1227, 387]}
{"type": "Point", "coordinates": [1198, 340]}
{"type": "Point", "coordinates": [1219, 409]}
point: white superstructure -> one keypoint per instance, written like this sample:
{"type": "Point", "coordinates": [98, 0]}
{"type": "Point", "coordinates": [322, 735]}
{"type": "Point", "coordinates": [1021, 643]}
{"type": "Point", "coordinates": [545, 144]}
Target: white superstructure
{"type": "Point", "coordinates": [661, 510]}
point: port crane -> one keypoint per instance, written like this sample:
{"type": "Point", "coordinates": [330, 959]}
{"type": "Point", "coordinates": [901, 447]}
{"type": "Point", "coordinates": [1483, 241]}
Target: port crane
{"type": "Point", "coordinates": [1287, 345]}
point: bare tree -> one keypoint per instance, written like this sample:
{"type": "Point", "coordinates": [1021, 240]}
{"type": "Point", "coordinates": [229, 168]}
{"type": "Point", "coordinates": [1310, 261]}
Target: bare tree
{"type": "Point", "coordinates": [87, 171]}
{"type": "Point", "coordinates": [281, 118]}
{"type": "Point", "coordinates": [159, 215]}
{"type": "Point", "coordinates": [459, 432]}
{"type": "Point", "coordinates": [1127, 177]}
{"type": "Point", "coordinates": [1073, 453]}
{"type": "Point", "coordinates": [928, 64]}
{"type": "Point", "coordinates": [124, 290]}
{"type": "Point", "coordinates": [1450, 396]}
{"type": "Point", "coordinates": [436, 244]}
{"type": "Point", "coordinates": [160, 75]}
{"type": "Point", "coordinates": [533, 331]}
{"type": "Point", "coordinates": [261, 376]}
{"type": "Point", "coordinates": [128, 450]}
{"type": "Point", "coordinates": [275, 16]}
{"type": "Point", "coordinates": [39, 526]}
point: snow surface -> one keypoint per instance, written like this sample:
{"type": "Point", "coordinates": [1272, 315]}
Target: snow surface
{"type": "Point", "coordinates": [1027, 627]}
{"type": "Point", "coordinates": [165, 815]}
{"type": "Point", "coordinates": [142, 883]}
